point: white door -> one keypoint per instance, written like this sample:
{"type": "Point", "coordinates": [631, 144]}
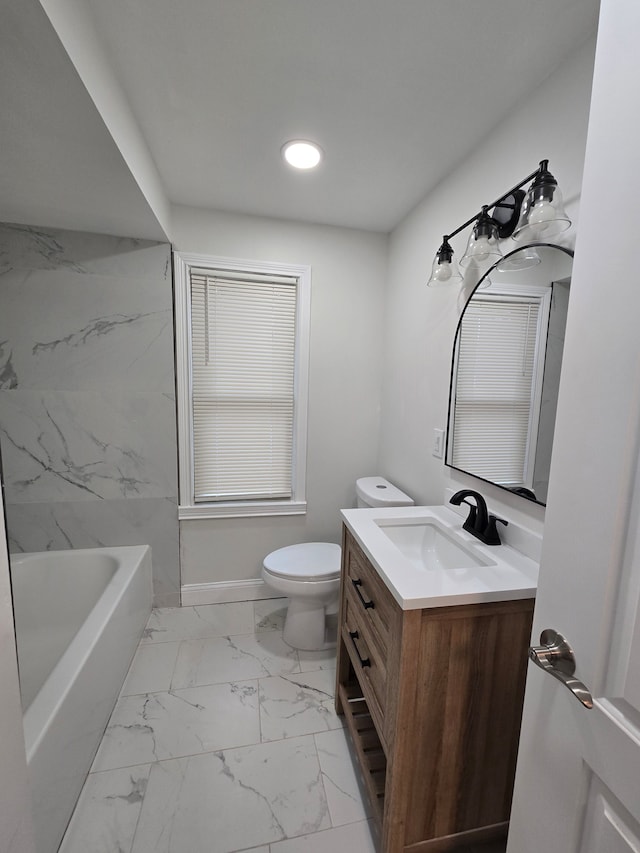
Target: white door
{"type": "Point", "coordinates": [578, 778]}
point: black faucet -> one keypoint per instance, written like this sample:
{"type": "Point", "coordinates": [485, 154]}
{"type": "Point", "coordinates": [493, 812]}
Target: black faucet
{"type": "Point", "coordinates": [479, 522]}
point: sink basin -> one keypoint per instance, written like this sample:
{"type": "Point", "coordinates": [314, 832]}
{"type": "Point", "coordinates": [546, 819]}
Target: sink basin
{"type": "Point", "coordinates": [429, 546]}
{"type": "Point", "coordinates": [427, 560]}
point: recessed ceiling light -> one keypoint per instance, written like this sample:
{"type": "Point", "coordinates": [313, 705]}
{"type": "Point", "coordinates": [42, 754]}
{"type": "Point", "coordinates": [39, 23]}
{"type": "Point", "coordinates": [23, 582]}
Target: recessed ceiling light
{"type": "Point", "coordinates": [301, 154]}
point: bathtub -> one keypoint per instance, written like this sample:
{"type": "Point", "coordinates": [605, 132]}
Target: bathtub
{"type": "Point", "coordinates": [79, 616]}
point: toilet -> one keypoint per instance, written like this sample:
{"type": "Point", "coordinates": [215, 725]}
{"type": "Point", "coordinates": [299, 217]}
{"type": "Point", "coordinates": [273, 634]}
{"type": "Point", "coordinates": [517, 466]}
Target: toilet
{"type": "Point", "coordinates": [308, 574]}
{"type": "Point", "coordinates": [376, 491]}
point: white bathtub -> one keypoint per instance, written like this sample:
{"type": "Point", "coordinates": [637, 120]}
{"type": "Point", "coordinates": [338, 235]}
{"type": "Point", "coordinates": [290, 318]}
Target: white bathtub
{"type": "Point", "coordinates": [79, 617]}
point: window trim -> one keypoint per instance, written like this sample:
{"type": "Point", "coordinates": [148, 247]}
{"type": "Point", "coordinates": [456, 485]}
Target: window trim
{"type": "Point", "coordinates": [187, 508]}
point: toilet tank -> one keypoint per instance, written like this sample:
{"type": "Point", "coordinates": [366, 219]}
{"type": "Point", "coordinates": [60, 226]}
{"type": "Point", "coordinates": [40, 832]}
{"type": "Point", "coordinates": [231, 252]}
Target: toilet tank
{"type": "Point", "coordinates": [376, 491]}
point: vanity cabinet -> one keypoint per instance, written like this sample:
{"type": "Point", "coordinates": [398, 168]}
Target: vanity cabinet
{"type": "Point", "coordinates": [432, 699]}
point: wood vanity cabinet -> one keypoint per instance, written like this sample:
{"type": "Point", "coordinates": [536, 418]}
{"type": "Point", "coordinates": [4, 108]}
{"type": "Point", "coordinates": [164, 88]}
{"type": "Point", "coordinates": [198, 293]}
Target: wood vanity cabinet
{"type": "Point", "coordinates": [432, 700]}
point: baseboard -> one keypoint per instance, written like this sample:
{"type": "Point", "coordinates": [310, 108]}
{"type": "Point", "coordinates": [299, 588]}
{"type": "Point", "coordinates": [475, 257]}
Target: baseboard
{"type": "Point", "coordinates": [215, 593]}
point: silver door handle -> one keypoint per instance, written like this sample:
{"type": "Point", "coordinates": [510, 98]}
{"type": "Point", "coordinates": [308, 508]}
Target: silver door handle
{"type": "Point", "coordinates": [556, 657]}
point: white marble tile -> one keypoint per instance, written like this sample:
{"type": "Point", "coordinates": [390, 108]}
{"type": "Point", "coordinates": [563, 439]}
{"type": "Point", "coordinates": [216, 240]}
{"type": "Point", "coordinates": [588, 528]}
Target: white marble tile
{"type": "Point", "coordinates": [151, 669]}
{"type": "Point", "coordinates": [233, 800]}
{"type": "Point", "coordinates": [88, 445]}
{"type": "Point", "coordinates": [58, 525]}
{"type": "Point", "coordinates": [8, 369]}
{"type": "Point", "coordinates": [200, 622]}
{"type": "Point", "coordinates": [324, 659]}
{"type": "Point", "coordinates": [221, 659]}
{"type": "Point", "coordinates": [158, 726]}
{"type": "Point", "coordinates": [35, 247]}
{"type": "Point", "coordinates": [107, 812]}
{"type": "Point", "coordinates": [292, 705]}
{"type": "Point", "coordinates": [89, 414]}
{"type": "Point", "coordinates": [344, 794]}
{"type": "Point", "coordinates": [354, 838]}
{"type": "Point", "coordinates": [72, 332]}
{"type": "Point", "coordinates": [270, 614]}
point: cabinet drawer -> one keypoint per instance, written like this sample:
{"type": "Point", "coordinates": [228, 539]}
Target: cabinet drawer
{"type": "Point", "coordinates": [368, 661]}
{"type": "Point", "coordinates": [370, 595]}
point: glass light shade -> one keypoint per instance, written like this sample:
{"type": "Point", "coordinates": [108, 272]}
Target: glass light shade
{"type": "Point", "coordinates": [483, 248]}
{"type": "Point", "coordinates": [444, 270]}
{"type": "Point", "coordinates": [521, 259]}
{"type": "Point", "coordinates": [543, 214]}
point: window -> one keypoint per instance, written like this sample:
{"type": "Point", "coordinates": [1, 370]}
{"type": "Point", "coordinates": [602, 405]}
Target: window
{"type": "Point", "coordinates": [242, 340]}
{"type": "Point", "coordinates": [496, 401]}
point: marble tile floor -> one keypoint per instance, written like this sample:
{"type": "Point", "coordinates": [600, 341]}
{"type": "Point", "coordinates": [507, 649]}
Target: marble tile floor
{"type": "Point", "coordinates": [224, 739]}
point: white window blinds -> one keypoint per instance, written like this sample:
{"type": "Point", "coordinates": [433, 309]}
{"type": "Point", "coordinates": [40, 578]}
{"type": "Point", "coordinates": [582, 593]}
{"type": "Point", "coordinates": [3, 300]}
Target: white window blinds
{"type": "Point", "coordinates": [243, 371]}
{"type": "Point", "coordinates": [495, 388]}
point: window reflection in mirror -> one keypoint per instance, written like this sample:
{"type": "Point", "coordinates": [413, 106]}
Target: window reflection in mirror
{"type": "Point", "coordinates": [506, 371]}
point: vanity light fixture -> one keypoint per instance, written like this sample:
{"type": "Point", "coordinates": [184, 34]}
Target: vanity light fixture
{"type": "Point", "coordinates": [527, 217]}
{"type": "Point", "coordinates": [302, 154]}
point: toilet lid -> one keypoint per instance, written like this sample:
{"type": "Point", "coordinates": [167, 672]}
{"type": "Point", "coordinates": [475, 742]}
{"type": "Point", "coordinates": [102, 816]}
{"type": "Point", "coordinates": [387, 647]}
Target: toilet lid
{"type": "Point", "coordinates": [307, 561]}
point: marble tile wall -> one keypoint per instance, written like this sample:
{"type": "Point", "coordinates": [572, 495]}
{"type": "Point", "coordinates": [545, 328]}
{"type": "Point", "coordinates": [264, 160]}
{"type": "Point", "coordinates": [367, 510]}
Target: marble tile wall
{"type": "Point", "coordinates": [87, 395]}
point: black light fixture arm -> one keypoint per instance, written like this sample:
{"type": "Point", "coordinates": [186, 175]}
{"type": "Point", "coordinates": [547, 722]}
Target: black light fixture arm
{"type": "Point", "coordinates": [541, 168]}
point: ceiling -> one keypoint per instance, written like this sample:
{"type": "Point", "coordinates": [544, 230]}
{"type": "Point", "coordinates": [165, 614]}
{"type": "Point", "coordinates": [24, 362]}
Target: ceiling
{"type": "Point", "coordinates": [396, 93]}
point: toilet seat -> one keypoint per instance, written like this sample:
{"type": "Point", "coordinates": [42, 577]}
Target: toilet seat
{"type": "Point", "coordinates": [308, 561]}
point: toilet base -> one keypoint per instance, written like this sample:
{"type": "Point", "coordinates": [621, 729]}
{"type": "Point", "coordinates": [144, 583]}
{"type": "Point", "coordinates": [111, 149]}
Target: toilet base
{"type": "Point", "coordinates": [305, 626]}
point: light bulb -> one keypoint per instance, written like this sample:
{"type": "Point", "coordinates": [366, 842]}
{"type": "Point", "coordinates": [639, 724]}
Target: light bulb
{"type": "Point", "coordinates": [541, 214]}
{"type": "Point", "coordinates": [443, 272]}
{"type": "Point", "coordinates": [481, 249]}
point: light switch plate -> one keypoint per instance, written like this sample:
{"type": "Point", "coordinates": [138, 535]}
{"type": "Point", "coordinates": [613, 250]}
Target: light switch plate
{"type": "Point", "coordinates": [438, 443]}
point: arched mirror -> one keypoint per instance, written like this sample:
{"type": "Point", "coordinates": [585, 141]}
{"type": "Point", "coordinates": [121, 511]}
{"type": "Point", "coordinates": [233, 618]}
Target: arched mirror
{"type": "Point", "coordinates": [506, 371]}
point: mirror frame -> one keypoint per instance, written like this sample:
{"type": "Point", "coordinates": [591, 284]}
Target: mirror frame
{"type": "Point", "coordinates": [449, 436]}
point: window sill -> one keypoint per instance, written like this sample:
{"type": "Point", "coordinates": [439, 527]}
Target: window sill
{"type": "Point", "coordinates": [241, 510]}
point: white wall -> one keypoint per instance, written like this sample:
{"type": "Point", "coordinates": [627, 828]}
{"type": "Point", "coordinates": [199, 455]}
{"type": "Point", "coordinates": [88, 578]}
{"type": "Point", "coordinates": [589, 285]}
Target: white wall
{"type": "Point", "coordinates": [420, 322]}
{"type": "Point", "coordinates": [348, 270]}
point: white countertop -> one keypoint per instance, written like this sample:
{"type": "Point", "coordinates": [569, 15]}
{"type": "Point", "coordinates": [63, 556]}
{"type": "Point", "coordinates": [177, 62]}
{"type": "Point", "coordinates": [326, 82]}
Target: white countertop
{"type": "Point", "coordinates": [506, 575]}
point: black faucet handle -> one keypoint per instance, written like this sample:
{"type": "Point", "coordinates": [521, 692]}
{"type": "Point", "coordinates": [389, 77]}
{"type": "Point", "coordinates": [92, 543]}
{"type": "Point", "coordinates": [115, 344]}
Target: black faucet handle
{"type": "Point", "coordinates": [491, 535]}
